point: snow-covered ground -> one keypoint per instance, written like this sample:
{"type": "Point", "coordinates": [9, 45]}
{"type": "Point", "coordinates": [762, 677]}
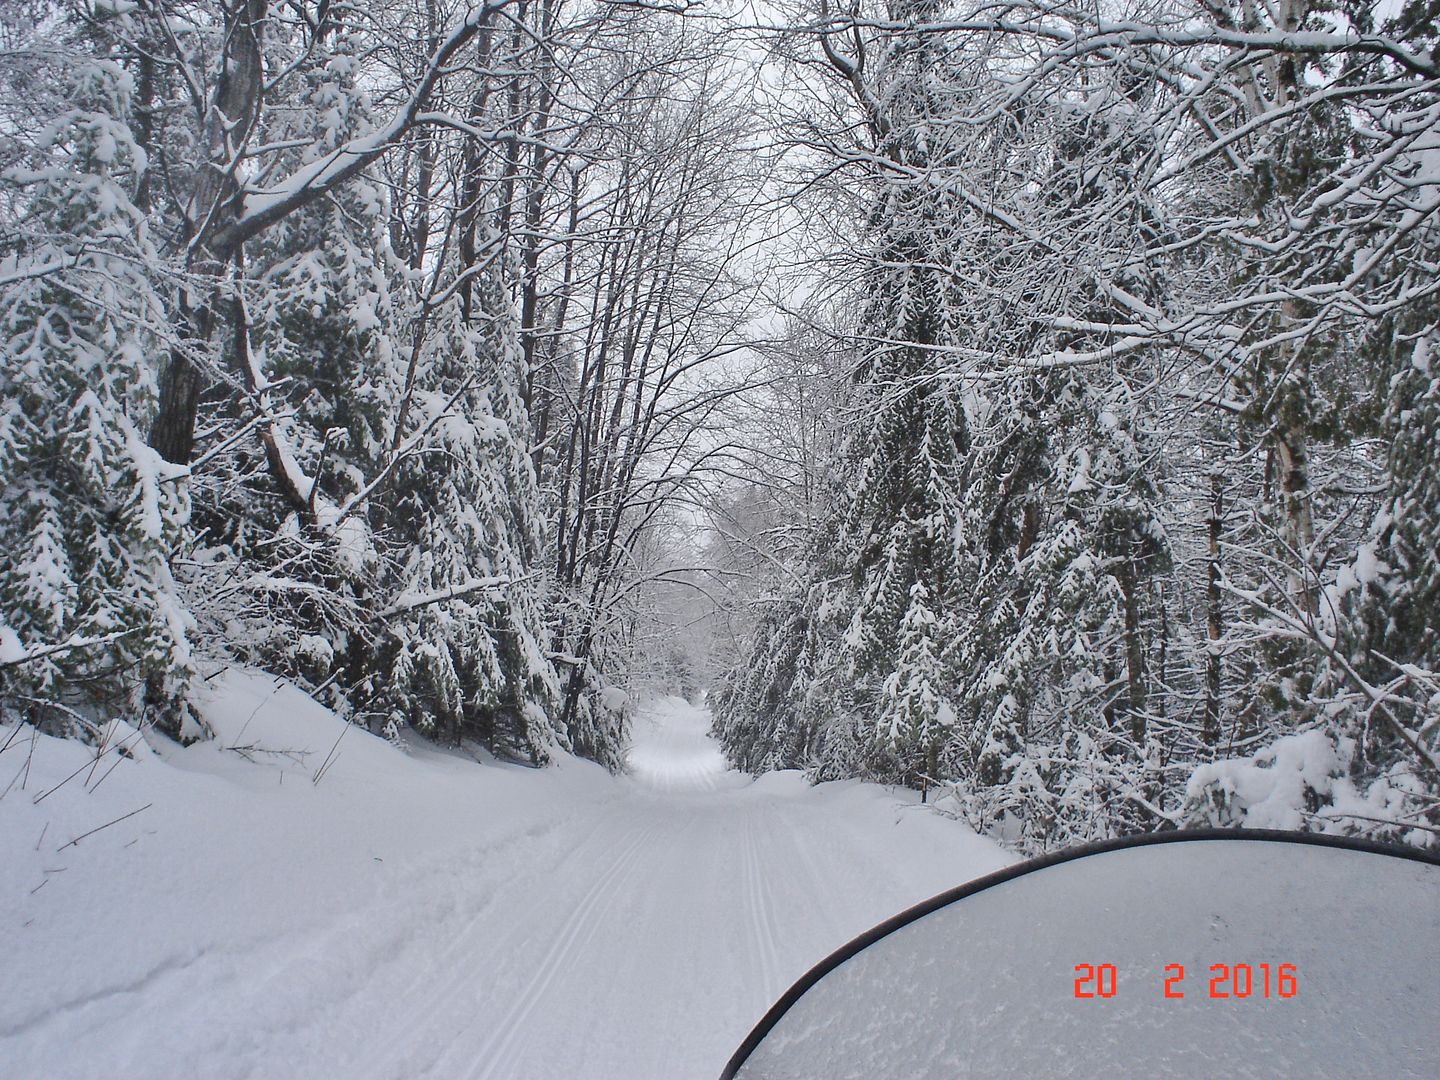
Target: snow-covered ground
{"type": "Point", "coordinates": [421, 915]}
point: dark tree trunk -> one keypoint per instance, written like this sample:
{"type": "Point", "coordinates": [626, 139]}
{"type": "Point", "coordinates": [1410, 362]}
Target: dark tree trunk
{"type": "Point", "coordinates": [1134, 652]}
{"type": "Point", "coordinates": [212, 205]}
{"type": "Point", "coordinates": [173, 432]}
{"type": "Point", "coordinates": [1210, 732]}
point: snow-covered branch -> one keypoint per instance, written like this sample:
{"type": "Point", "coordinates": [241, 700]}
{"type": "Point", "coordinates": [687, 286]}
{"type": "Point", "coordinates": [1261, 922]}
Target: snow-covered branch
{"type": "Point", "coordinates": [408, 602]}
{"type": "Point", "coordinates": [13, 652]}
{"type": "Point", "coordinates": [262, 208]}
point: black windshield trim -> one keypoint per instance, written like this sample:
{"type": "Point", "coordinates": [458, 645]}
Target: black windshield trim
{"type": "Point", "coordinates": [1029, 866]}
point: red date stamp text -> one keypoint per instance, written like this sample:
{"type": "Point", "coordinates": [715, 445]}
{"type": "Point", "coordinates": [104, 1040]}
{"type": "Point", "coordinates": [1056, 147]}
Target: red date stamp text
{"type": "Point", "coordinates": [1239, 981]}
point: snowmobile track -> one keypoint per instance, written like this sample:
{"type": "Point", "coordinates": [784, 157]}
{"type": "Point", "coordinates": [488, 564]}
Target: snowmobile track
{"type": "Point", "coordinates": [571, 939]}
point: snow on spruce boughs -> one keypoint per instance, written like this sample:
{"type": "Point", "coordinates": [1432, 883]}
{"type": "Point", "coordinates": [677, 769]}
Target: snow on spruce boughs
{"type": "Point", "coordinates": [966, 616]}
{"type": "Point", "coordinates": [1178, 312]}
{"type": "Point", "coordinates": [466, 507]}
{"type": "Point", "coordinates": [90, 516]}
{"type": "Point", "coordinates": [390, 556]}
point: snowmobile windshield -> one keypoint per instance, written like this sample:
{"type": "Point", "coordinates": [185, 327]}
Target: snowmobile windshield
{"type": "Point", "coordinates": [1214, 954]}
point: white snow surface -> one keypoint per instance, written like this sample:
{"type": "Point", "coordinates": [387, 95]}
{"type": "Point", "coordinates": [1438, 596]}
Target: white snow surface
{"type": "Point", "coordinates": [12, 651]}
{"type": "Point", "coordinates": [421, 914]}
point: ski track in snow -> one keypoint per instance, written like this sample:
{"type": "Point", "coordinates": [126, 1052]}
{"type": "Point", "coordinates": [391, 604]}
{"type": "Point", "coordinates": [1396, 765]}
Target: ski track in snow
{"type": "Point", "coordinates": [626, 929]}
{"type": "Point", "coordinates": [570, 945]}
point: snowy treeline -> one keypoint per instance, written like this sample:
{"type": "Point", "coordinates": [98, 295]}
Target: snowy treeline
{"type": "Point", "coordinates": [1086, 477]}
{"type": "Point", "coordinates": [1131, 487]}
{"type": "Point", "coordinates": [348, 341]}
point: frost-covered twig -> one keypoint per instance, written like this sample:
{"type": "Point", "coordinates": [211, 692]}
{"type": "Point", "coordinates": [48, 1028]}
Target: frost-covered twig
{"type": "Point", "coordinates": [297, 756]}
{"type": "Point", "coordinates": [10, 738]}
{"type": "Point", "coordinates": [1343, 815]}
{"type": "Point", "coordinates": [330, 757]}
{"type": "Point", "coordinates": [23, 775]}
{"type": "Point", "coordinates": [121, 750]}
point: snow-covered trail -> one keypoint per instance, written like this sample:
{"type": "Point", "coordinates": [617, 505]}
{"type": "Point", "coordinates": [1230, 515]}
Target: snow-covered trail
{"type": "Point", "coordinates": [663, 934]}
{"type": "Point", "coordinates": [612, 929]}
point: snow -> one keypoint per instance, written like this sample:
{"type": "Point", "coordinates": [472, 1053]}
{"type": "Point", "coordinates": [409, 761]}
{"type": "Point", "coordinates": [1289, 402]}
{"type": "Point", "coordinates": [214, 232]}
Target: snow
{"type": "Point", "coordinates": [1269, 793]}
{"type": "Point", "coordinates": [416, 913]}
{"type": "Point", "coordinates": [1367, 566]}
{"type": "Point", "coordinates": [1301, 780]}
{"type": "Point", "coordinates": [12, 650]}
{"type": "Point", "coordinates": [613, 699]}
{"type": "Point", "coordinates": [362, 315]}
{"type": "Point", "coordinates": [1081, 482]}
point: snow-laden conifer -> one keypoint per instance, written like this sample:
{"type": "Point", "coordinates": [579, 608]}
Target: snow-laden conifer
{"type": "Point", "coordinates": [90, 516]}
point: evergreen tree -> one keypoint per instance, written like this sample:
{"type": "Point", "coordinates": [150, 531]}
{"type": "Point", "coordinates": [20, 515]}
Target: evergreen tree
{"type": "Point", "coordinates": [1410, 527]}
{"type": "Point", "coordinates": [391, 537]}
{"type": "Point", "coordinates": [915, 716]}
{"type": "Point", "coordinates": [89, 514]}
{"type": "Point", "coordinates": [465, 515]}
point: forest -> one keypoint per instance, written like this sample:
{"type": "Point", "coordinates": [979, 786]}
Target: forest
{"type": "Point", "coordinates": [1034, 404]}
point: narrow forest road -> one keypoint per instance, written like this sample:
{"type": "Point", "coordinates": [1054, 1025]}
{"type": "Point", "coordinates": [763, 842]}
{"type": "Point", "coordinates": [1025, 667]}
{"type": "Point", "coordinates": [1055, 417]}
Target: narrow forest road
{"type": "Point", "coordinates": [632, 929]}
{"type": "Point", "coordinates": [681, 914]}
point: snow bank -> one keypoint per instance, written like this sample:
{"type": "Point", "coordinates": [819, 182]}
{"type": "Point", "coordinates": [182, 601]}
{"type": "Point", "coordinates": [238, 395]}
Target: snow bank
{"type": "Point", "coordinates": [122, 862]}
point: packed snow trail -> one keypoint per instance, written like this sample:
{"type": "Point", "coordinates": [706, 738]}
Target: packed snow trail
{"type": "Point", "coordinates": [472, 923]}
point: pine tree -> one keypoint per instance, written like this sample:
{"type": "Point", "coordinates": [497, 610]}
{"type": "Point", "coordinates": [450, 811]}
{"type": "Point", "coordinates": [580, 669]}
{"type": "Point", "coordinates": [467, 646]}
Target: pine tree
{"type": "Point", "coordinates": [915, 716]}
{"type": "Point", "coordinates": [91, 515]}
{"type": "Point", "coordinates": [389, 535]}
{"type": "Point", "coordinates": [467, 512]}
{"type": "Point", "coordinates": [1409, 526]}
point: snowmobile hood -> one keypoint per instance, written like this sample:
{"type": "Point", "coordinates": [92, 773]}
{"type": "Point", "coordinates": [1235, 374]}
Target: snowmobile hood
{"type": "Point", "coordinates": [1214, 953]}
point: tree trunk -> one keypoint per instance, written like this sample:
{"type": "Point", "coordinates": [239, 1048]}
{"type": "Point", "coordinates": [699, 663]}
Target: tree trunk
{"type": "Point", "coordinates": [1210, 732]}
{"type": "Point", "coordinates": [1134, 652]}
{"type": "Point", "coordinates": [212, 205]}
{"type": "Point", "coordinates": [1298, 525]}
